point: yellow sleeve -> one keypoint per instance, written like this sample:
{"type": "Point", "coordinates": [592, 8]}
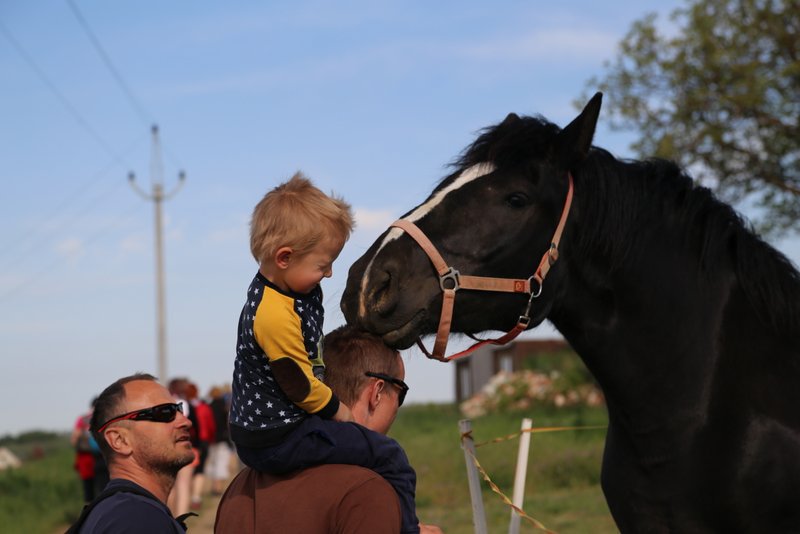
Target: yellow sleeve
{"type": "Point", "coordinates": [278, 331]}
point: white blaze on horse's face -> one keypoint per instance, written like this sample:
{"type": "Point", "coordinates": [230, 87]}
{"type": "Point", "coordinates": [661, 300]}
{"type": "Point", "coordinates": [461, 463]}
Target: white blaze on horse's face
{"type": "Point", "coordinates": [473, 173]}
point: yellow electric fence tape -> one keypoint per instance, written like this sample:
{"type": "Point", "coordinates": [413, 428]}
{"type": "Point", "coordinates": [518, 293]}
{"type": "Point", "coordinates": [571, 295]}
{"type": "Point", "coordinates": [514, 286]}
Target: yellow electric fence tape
{"type": "Point", "coordinates": [494, 487]}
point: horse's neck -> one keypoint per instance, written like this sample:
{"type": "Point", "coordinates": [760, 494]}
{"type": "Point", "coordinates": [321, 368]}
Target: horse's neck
{"type": "Point", "coordinates": [645, 331]}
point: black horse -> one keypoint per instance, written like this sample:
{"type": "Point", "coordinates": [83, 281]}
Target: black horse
{"type": "Point", "coordinates": [687, 319]}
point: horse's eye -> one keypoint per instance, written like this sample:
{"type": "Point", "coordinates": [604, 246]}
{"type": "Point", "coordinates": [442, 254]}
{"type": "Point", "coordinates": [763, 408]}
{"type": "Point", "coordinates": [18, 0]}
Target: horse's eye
{"type": "Point", "coordinates": [517, 200]}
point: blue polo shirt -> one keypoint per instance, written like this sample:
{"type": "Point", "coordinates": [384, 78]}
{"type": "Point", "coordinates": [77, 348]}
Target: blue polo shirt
{"type": "Point", "coordinates": [129, 513]}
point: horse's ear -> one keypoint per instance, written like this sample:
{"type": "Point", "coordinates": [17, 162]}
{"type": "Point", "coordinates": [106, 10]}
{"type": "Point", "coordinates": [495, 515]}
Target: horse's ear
{"type": "Point", "coordinates": [574, 141]}
{"type": "Point", "coordinates": [511, 117]}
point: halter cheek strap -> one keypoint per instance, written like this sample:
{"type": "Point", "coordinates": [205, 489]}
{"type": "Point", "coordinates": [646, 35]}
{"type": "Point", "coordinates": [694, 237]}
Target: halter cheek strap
{"type": "Point", "coordinates": [451, 280]}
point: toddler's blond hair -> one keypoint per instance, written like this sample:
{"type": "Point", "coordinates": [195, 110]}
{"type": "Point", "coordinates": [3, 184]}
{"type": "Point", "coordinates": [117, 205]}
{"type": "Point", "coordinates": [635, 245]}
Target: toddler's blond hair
{"type": "Point", "coordinates": [297, 214]}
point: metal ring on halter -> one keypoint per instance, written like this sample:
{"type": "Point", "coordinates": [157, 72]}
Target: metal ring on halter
{"type": "Point", "coordinates": [451, 275]}
{"type": "Point", "coordinates": [540, 283]}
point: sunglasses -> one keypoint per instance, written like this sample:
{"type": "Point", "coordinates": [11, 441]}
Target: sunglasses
{"type": "Point", "coordinates": [163, 413]}
{"type": "Point", "coordinates": [401, 396]}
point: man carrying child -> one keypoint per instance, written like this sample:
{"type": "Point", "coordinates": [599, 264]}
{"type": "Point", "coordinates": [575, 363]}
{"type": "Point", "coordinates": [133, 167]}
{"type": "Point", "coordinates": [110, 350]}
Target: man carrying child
{"type": "Point", "coordinates": [283, 416]}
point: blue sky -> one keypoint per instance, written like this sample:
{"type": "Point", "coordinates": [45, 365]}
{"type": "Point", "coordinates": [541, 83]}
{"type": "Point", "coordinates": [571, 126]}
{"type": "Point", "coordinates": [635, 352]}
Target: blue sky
{"type": "Point", "coordinates": [370, 99]}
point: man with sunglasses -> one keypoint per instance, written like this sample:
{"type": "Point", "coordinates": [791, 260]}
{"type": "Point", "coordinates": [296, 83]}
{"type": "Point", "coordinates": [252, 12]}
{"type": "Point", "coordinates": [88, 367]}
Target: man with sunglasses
{"type": "Point", "coordinates": [367, 376]}
{"type": "Point", "coordinates": [144, 437]}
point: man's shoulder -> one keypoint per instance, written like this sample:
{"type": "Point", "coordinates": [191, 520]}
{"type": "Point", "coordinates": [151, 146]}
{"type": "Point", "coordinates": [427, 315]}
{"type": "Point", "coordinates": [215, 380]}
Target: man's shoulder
{"type": "Point", "coordinates": [132, 509]}
{"type": "Point", "coordinates": [341, 473]}
{"type": "Point", "coordinates": [361, 499]}
{"type": "Point", "coordinates": [323, 498]}
{"type": "Point", "coordinates": [250, 479]}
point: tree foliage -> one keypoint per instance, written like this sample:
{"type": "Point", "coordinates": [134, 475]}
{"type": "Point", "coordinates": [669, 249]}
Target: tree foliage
{"type": "Point", "coordinates": [718, 91]}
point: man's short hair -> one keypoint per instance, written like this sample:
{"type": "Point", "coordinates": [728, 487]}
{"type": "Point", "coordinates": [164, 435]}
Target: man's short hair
{"type": "Point", "coordinates": [109, 405]}
{"type": "Point", "coordinates": [297, 214]}
{"type": "Point", "coordinates": [349, 353]}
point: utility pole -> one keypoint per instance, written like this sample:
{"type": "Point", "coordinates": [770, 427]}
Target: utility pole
{"type": "Point", "coordinates": [157, 196]}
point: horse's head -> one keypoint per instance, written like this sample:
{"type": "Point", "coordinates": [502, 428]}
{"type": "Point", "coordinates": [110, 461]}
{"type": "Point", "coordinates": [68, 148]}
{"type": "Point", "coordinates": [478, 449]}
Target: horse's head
{"type": "Point", "coordinates": [494, 216]}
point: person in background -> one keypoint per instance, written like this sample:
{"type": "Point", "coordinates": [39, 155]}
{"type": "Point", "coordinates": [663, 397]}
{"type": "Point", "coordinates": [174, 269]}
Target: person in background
{"type": "Point", "coordinates": [221, 451]}
{"type": "Point", "coordinates": [180, 497]}
{"type": "Point", "coordinates": [205, 431]}
{"type": "Point", "coordinates": [144, 437]}
{"type": "Point", "coordinates": [81, 440]}
{"type": "Point", "coordinates": [367, 376]}
{"type": "Point", "coordinates": [101, 477]}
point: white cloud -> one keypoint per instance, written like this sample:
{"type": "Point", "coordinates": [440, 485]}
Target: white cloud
{"type": "Point", "coordinates": [252, 81]}
{"type": "Point", "coordinates": [133, 244]}
{"type": "Point", "coordinates": [70, 248]}
{"type": "Point", "coordinates": [554, 45]}
{"type": "Point", "coordinates": [232, 234]}
{"type": "Point", "coordinates": [174, 234]}
{"type": "Point", "coordinates": [372, 221]}
{"type": "Point", "coordinates": [235, 230]}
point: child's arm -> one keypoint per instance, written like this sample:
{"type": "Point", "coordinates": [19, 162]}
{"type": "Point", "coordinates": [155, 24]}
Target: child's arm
{"type": "Point", "coordinates": [278, 331]}
{"type": "Point", "coordinates": [343, 414]}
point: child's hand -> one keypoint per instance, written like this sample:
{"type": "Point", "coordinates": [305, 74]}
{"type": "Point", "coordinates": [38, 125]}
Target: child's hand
{"type": "Point", "coordinates": [343, 414]}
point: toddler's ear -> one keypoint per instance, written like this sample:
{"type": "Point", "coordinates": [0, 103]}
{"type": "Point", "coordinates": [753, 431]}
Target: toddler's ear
{"type": "Point", "coordinates": [282, 257]}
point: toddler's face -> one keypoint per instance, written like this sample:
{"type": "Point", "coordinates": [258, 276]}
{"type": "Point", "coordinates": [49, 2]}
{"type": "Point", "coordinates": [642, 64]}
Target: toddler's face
{"type": "Point", "coordinates": [305, 272]}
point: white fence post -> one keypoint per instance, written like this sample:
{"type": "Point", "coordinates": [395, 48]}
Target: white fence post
{"type": "Point", "coordinates": [478, 514]}
{"type": "Point", "coordinates": [519, 477]}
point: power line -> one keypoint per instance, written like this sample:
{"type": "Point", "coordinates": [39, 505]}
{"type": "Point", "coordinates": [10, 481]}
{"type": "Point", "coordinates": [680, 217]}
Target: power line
{"type": "Point", "coordinates": [61, 98]}
{"type": "Point", "coordinates": [134, 102]}
{"type": "Point", "coordinates": [60, 209]}
{"type": "Point", "coordinates": [143, 115]}
{"type": "Point", "coordinates": [73, 111]}
{"type": "Point", "coordinates": [35, 245]}
{"type": "Point", "coordinates": [48, 269]}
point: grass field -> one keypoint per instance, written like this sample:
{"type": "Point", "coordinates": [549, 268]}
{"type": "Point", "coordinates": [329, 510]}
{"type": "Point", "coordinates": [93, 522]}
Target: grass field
{"type": "Point", "coordinates": [44, 493]}
{"type": "Point", "coordinates": [563, 481]}
{"type": "Point", "coordinates": [562, 489]}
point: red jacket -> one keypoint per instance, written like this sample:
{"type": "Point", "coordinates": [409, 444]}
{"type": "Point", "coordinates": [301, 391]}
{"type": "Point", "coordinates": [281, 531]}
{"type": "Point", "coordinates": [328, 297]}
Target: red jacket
{"type": "Point", "coordinates": [207, 427]}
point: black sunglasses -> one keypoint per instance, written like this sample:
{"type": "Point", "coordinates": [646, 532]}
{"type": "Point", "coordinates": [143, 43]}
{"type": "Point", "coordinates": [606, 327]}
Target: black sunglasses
{"type": "Point", "coordinates": [401, 396]}
{"type": "Point", "coordinates": [163, 413]}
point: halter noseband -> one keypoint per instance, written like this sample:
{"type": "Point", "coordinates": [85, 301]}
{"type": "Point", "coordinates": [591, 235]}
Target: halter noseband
{"type": "Point", "coordinates": [451, 280]}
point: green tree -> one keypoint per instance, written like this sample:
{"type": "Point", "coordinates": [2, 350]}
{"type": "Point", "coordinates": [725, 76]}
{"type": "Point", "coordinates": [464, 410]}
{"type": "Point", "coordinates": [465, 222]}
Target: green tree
{"type": "Point", "coordinates": [718, 91]}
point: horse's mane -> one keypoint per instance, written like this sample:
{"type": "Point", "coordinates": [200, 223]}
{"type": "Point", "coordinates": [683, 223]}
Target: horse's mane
{"type": "Point", "coordinates": [627, 195]}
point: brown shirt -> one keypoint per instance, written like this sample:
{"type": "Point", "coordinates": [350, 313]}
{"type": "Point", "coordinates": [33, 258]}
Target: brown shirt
{"type": "Point", "coordinates": [336, 499]}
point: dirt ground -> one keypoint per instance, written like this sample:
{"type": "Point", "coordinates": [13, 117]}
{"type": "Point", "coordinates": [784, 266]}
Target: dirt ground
{"type": "Point", "coordinates": [204, 522]}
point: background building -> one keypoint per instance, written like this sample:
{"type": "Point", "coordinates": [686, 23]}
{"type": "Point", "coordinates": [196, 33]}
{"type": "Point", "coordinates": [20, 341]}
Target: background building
{"type": "Point", "coordinates": [474, 371]}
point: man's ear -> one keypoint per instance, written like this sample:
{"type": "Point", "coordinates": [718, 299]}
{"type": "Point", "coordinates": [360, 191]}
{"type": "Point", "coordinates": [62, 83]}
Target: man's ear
{"type": "Point", "coordinates": [283, 256]}
{"type": "Point", "coordinates": [375, 391]}
{"type": "Point", "coordinates": [118, 438]}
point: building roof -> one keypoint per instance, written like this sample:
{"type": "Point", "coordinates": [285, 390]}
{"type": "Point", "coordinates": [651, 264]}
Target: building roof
{"type": "Point", "coordinates": [523, 347]}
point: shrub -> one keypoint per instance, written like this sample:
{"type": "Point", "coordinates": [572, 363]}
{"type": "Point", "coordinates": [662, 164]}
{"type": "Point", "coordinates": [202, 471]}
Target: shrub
{"type": "Point", "coordinates": [523, 389]}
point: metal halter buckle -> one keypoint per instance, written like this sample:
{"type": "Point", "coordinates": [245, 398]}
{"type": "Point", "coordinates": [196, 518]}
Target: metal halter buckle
{"type": "Point", "coordinates": [451, 275]}
{"type": "Point", "coordinates": [540, 285]}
